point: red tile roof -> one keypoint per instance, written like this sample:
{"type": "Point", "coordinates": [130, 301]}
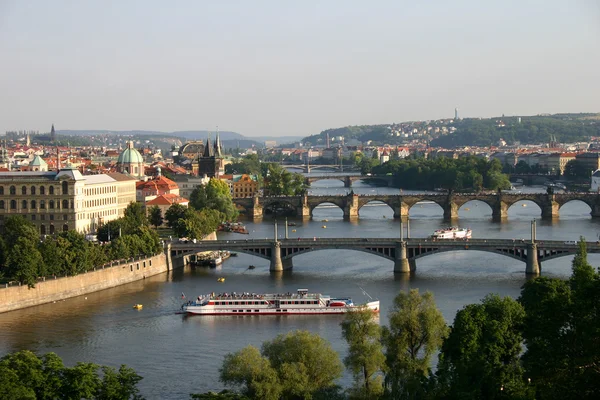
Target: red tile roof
{"type": "Point", "coordinates": [167, 200]}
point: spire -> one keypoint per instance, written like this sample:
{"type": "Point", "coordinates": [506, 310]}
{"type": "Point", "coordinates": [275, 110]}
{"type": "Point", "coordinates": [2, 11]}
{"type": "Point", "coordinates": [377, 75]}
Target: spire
{"type": "Point", "coordinates": [218, 145]}
{"type": "Point", "coordinates": [208, 150]}
{"type": "Point", "coordinates": [52, 134]}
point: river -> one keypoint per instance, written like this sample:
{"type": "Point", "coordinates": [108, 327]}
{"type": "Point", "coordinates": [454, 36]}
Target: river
{"type": "Point", "coordinates": [178, 355]}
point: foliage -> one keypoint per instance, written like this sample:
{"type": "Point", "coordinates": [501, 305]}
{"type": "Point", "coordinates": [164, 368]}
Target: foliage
{"type": "Point", "coordinates": [531, 130]}
{"type": "Point", "coordinates": [443, 172]}
{"type": "Point", "coordinates": [134, 218]}
{"type": "Point", "coordinates": [155, 216]}
{"type": "Point", "coordinates": [417, 329]}
{"type": "Point", "coordinates": [562, 332]}
{"type": "Point", "coordinates": [480, 357]}
{"type": "Point", "coordinates": [576, 169]}
{"type": "Point", "coordinates": [365, 357]}
{"type": "Point", "coordinates": [23, 375]}
{"type": "Point", "coordinates": [197, 224]}
{"type": "Point", "coordinates": [110, 230]}
{"type": "Point", "coordinates": [248, 165]}
{"type": "Point", "coordinates": [281, 182]}
{"type": "Point", "coordinates": [174, 214]}
{"type": "Point", "coordinates": [222, 395]}
{"type": "Point", "coordinates": [296, 365]}
{"type": "Point", "coordinates": [215, 196]}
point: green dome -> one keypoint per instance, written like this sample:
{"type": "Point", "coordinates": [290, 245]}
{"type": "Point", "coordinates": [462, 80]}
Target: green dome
{"type": "Point", "coordinates": [130, 155]}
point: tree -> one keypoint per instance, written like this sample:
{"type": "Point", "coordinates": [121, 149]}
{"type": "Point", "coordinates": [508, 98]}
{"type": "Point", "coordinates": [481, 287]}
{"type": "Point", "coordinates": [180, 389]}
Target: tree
{"type": "Point", "coordinates": [296, 365]}
{"type": "Point", "coordinates": [576, 169]}
{"type": "Point", "coordinates": [197, 224]}
{"type": "Point", "coordinates": [417, 329]}
{"type": "Point", "coordinates": [155, 216]}
{"type": "Point", "coordinates": [174, 214]}
{"type": "Point", "coordinates": [561, 332]}
{"type": "Point", "coordinates": [365, 357]}
{"type": "Point", "coordinates": [305, 362]}
{"type": "Point", "coordinates": [110, 230]}
{"type": "Point", "coordinates": [134, 218]}
{"type": "Point", "coordinates": [281, 182]}
{"type": "Point", "coordinates": [215, 195]}
{"type": "Point", "coordinates": [23, 261]}
{"type": "Point", "coordinates": [480, 357]}
{"type": "Point", "coordinates": [119, 385]}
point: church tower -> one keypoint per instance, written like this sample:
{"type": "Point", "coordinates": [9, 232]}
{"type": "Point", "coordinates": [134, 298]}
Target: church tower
{"type": "Point", "coordinates": [52, 134]}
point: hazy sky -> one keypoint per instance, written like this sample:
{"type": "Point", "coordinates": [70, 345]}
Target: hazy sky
{"type": "Point", "coordinates": [291, 67]}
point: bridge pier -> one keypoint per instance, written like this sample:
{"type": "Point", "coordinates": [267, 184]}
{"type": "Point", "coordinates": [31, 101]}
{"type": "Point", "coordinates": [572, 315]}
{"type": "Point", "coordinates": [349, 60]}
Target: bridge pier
{"type": "Point", "coordinates": [499, 211]}
{"type": "Point", "coordinates": [304, 210]}
{"type": "Point", "coordinates": [351, 208]}
{"type": "Point", "coordinates": [533, 265]}
{"type": "Point", "coordinates": [550, 210]}
{"type": "Point", "coordinates": [450, 210]}
{"type": "Point", "coordinates": [401, 211]}
{"type": "Point", "coordinates": [402, 264]}
{"type": "Point", "coordinates": [347, 182]}
{"type": "Point", "coordinates": [277, 264]}
{"type": "Point", "coordinates": [596, 211]}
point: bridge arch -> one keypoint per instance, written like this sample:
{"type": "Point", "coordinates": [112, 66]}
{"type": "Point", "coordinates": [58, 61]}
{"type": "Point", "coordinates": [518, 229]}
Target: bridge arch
{"type": "Point", "coordinates": [311, 180]}
{"type": "Point", "coordinates": [567, 206]}
{"type": "Point", "coordinates": [376, 202]}
{"type": "Point", "coordinates": [278, 202]}
{"type": "Point", "coordinates": [469, 207]}
{"type": "Point", "coordinates": [363, 250]}
{"type": "Point", "coordinates": [326, 204]}
{"type": "Point", "coordinates": [533, 208]}
{"type": "Point", "coordinates": [412, 208]}
{"type": "Point", "coordinates": [466, 248]}
{"type": "Point", "coordinates": [266, 255]}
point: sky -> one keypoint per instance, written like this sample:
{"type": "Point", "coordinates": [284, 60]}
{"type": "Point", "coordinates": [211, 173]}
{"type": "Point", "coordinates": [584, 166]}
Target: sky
{"type": "Point", "coordinates": [283, 68]}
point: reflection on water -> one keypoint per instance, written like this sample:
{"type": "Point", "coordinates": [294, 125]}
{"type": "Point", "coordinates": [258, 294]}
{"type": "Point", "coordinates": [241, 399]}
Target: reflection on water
{"type": "Point", "coordinates": [163, 346]}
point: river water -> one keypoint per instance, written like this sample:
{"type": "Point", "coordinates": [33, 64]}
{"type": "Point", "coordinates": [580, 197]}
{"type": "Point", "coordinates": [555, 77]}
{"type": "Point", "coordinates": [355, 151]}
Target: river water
{"type": "Point", "coordinates": [178, 355]}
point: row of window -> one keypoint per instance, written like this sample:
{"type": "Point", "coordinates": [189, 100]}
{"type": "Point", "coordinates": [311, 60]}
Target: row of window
{"type": "Point", "coordinates": [99, 190]}
{"type": "Point", "coordinates": [33, 189]}
{"type": "Point", "coordinates": [51, 229]}
{"type": "Point", "coordinates": [100, 202]}
{"type": "Point", "coordinates": [243, 303]}
{"type": "Point", "coordinates": [50, 216]}
{"type": "Point", "coordinates": [25, 204]}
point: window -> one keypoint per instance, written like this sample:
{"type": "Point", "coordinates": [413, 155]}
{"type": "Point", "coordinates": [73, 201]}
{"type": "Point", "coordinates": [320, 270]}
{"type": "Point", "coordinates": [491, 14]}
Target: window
{"type": "Point", "coordinates": [234, 310]}
{"type": "Point", "coordinates": [248, 310]}
{"type": "Point", "coordinates": [24, 205]}
{"type": "Point", "coordinates": [43, 229]}
{"type": "Point", "coordinates": [43, 204]}
{"type": "Point", "coordinates": [13, 190]}
{"type": "Point", "coordinates": [51, 217]}
{"type": "Point", "coordinates": [1, 204]}
{"type": "Point", "coordinates": [256, 310]}
{"type": "Point", "coordinates": [51, 189]}
{"type": "Point", "coordinates": [65, 217]}
{"type": "Point", "coordinates": [65, 204]}
{"type": "Point", "coordinates": [51, 204]}
{"type": "Point", "coordinates": [65, 228]}
{"type": "Point", "coordinates": [33, 190]}
{"type": "Point", "coordinates": [51, 229]}
{"type": "Point", "coordinates": [43, 217]}
{"type": "Point", "coordinates": [24, 190]}
{"type": "Point", "coordinates": [42, 190]}
{"type": "Point", "coordinates": [65, 188]}
{"type": "Point", "coordinates": [33, 217]}
{"type": "Point", "coordinates": [2, 190]}
{"type": "Point", "coordinates": [13, 204]}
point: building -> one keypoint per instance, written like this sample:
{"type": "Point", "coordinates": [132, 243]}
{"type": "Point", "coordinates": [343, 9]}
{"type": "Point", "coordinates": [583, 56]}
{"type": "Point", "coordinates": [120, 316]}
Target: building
{"type": "Point", "coordinates": [164, 201]}
{"type": "Point", "coordinates": [150, 189]}
{"type": "Point", "coordinates": [210, 163]}
{"type": "Point", "coordinates": [64, 200]}
{"type": "Point", "coordinates": [243, 185]}
{"type": "Point", "coordinates": [187, 183]}
{"type": "Point", "coordinates": [591, 161]}
{"type": "Point", "coordinates": [191, 150]}
{"type": "Point", "coordinates": [131, 162]}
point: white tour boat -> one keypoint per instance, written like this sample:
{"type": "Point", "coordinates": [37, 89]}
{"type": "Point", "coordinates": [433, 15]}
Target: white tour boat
{"type": "Point", "coordinates": [300, 303]}
{"type": "Point", "coordinates": [452, 233]}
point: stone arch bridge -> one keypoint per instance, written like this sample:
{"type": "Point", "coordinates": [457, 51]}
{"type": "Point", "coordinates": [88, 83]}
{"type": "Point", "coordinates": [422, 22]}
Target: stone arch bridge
{"type": "Point", "coordinates": [351, 204]}
{"type": "Point", "coordinates": [403, 253]}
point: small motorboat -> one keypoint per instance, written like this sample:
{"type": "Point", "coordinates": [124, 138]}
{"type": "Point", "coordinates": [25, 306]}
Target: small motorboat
{"type": "Point", "coordinates": [138, 306]}
{"type": "Point", "coordinates": [324, 226]}
{"type": "Point", "coordinates": [251, 267]}
{"type": "Point", "coordinates": [291, 224]}
{"type": "Point", "coordinates": [233, 254]}
{"type": "Point", "coordinates": [221, 280]}
{"type": "Point", "coordinates": [324, 220]}
{"type": "Point", "coordinates": [293, 230]}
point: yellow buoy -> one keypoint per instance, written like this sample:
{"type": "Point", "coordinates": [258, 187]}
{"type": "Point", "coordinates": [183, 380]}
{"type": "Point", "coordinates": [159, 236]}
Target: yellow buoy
{"type": "Point", "coordinates": [467, 209]}
{"type": "Point", "coordinates": [523, 205]}
{"type": "Point", "coordinates": [221, 280]}
{"type": "Point", "coordinates": [324, 226]}
{"type": "Point", "coordinates": [293, 230]}
{"type": "Point", "coordinates": [138, 306]}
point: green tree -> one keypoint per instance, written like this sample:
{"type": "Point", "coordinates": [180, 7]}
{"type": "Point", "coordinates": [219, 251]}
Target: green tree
{"type": "Point", "coordinates": [576, 169]}
{"type": "Point", "coordinates": [417, 329]}
{"type": "Point", "coordinates": [119, 385]}
{"type": "Point", "coordinates": [174, 214]}
{"type": "Point", "coordinates": [561, 332]}
{"type": "Point", "coordinates": [155, 216]}
{"type": "Point", "coordinates": [281, 182]}
{"type": "Point", "coordinates": [305, 362]}
{"type": "Point", "coordinates": [252, 372]}
{"type": "Point", "coordinates": [110, 230]}
{"type": "Point", "coordinates": [480, 357]}
{"type": "Point", "coordinates": [23, 261]}
{"type": "Point", "coordinates": [365, 357]}
{"type": "Point", "coordinates": [197, 224]}
{"type": "Point", "coordinates": [215, 195]}
{"type": "Point", "coordinates": [134, 218]}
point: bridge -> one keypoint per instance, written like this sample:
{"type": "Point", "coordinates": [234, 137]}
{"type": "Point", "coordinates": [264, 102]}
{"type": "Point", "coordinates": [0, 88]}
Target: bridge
{"type": "Point", "coordinates": [403, 252]}
{"type": "Point", "coordinates": [347, 179]}
{"type": "Point", "coordinates": [306, 168]}
{"type": "Point", "coordinates": [303, 206]}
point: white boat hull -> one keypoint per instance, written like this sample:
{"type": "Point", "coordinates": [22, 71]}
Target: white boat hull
{"type": "Point", "coordinates": [272, 310]}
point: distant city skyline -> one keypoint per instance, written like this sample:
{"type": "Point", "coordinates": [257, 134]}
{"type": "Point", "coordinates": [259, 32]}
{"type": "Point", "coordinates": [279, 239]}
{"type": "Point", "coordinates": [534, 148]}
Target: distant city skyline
{"type": "Point", "coordinates": [269, 68]}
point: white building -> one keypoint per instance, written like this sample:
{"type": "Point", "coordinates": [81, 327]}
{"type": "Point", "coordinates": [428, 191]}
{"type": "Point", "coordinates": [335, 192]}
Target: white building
{"type": "Point", "coordinates": [595, 186]}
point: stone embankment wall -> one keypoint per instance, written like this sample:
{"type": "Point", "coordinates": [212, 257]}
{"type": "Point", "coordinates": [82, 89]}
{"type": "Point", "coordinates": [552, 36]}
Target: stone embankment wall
{"type": "Point", "coordinates": [108, 276]}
